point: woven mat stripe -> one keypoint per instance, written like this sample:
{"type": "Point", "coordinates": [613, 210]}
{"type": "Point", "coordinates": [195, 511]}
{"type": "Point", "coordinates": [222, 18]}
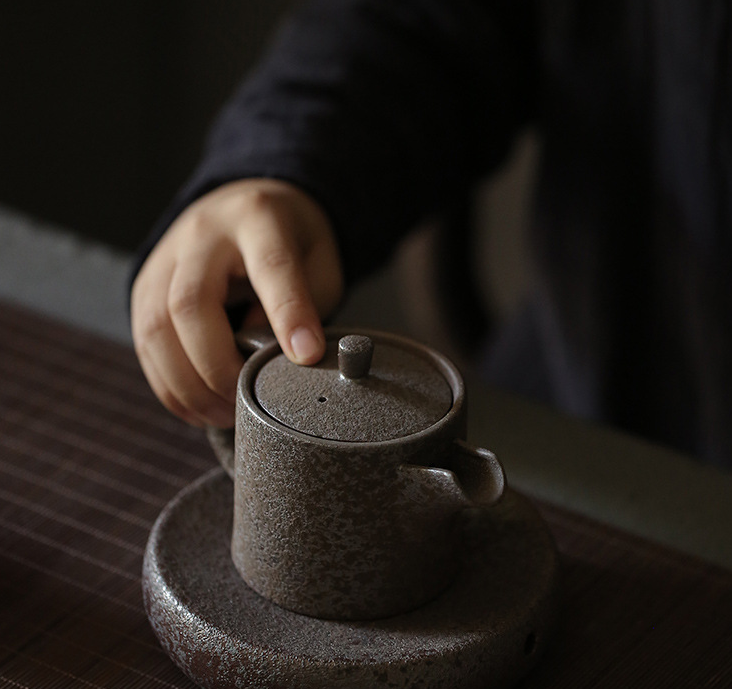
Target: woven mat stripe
{"type": "Point", "coordinates": [60, 336]}
{"type": "Point", "coordinates": [48, 513]}
{"type": "Point", "coordinates": [55, 543]}
{"type": "Point", "coordinates": [26, 388]}
{"type": "Point", "coordinates": [87, 460]}
{"type": "Point", "coordinates": [114, 367]}
{"type": "Point", "coordinates": [66, 582]}
{"type": "Point", "coordinates": [647, 614]}
{"type": "Point", "coordinates": [48, 360]}
{"type": "Point", "coordinates": [48, 490]}
{"type": "Point", "coordinates": [58, 429]}
{"type": "Point", "coordinates": [70, 617]}
{"type": "Point", "coordinates": [50, 537]}
{"type": "Point", "coordinates": [83, 367]}
{"type": "Point", "coordinates": [26, 374]}
{"type": "Point", "coordinates": [66, 461]}
{"type": "Point", "coordinates": [11, 684]}
{"type": "Point", "coordinates": [80, 670]}
{"type": "Point", "coordinates": [84, 641]}
{"type": "Point", "coordinates": [576, 531]}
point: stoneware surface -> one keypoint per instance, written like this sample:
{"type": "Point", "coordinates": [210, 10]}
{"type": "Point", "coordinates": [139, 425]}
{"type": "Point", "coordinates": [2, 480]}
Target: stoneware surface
{"type": "Point", "coordinates": [485, 631]}
{"type": "Point", "coordinates": [360, 521]}
{"type": "Point", "coordinates": [403, 391]}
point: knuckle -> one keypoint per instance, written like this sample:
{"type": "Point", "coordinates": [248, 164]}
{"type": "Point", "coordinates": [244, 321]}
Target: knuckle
{"type": "Point", "coordinates": [185, 299]}
{"type": "Point", "coordinates": [196, 223]}
{"type": "Point", "coordinates": [258, 199]}
{"type": "Point", "coordinates": [284, 308]}
{"type": "Point", "coordinates": [148, 325]}
{"type": "Point", "coordinates": [277, 259]}
{"type": "Point", "coordinates": [218, 379]}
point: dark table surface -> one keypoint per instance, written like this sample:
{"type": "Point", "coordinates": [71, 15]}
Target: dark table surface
{"type": "Point", "coordinates": [88, 459]}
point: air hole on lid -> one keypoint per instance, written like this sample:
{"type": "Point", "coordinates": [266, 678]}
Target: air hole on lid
{"type": "Point", "coordinates": [322, 399]}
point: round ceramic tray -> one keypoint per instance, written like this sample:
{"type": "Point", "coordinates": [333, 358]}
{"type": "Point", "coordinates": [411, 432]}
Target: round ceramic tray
{"type": "Point", "coordinates": [487, 630]}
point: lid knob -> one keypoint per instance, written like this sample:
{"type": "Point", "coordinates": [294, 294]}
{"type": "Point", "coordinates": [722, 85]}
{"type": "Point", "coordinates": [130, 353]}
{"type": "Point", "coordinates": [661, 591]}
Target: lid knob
{"type": "Point", "coordinates": [354, 355]}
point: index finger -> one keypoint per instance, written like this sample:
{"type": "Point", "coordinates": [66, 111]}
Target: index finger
{"type": "Point", "coordinates": [274, 267]}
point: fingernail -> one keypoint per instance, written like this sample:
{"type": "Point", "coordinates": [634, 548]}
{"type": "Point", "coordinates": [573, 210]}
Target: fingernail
{"type": "Point", "coordinates": [306, 347]}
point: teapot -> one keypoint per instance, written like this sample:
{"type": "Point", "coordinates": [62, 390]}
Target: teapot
{"type": "Point", "coordinates": [351, 475]}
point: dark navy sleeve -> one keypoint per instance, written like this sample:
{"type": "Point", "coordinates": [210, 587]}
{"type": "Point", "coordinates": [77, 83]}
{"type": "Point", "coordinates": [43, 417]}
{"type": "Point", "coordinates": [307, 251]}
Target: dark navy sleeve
{"type": "Point", "coordinates": [381, 109]}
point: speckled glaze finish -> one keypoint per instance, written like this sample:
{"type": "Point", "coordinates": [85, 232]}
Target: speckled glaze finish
{"type": "Point", "coordinates": [352, 527]}
{"type": "Point", "coordinates": [403, 393]}
{"type": "Point", "coordinates": [485, 631]}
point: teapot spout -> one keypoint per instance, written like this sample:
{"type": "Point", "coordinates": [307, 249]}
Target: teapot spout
{"type": "Point", "coordinates": [479, 474]}
{"type": "Point", "coordinates": [475, 478]}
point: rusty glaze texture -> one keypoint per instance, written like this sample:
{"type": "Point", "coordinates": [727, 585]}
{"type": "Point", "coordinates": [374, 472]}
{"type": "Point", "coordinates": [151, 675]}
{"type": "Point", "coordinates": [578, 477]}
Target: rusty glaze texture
{"type": "Point", "coordinates": [402, 392]}
{"type": "Point", "coordinates": [359, 524]}
{"type": "Point", "coordinates": [485, 631]}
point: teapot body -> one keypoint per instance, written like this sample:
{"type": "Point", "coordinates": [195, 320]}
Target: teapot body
{"type": "Point", "coordinates": [341, 529]}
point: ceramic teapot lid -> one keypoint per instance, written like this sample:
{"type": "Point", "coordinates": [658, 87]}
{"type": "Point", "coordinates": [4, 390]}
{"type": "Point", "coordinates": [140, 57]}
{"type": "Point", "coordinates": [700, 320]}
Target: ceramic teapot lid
{"type": "Point", "coordinates": [363, 390]}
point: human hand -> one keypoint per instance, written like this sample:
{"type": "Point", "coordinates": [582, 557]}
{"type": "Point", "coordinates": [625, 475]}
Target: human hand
{"type": "Point", "coordinates": [261, 238]}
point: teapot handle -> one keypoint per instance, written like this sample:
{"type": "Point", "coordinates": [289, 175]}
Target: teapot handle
{"type": "Point", "coordinates": [222, 443]}
{"type": "Point", "coordinates": [475, 477]}
{"type": "Point", "coordinates": [248, 340]}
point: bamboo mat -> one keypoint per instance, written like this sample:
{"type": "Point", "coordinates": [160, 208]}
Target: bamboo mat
{"type": "Point", "coordinates": [88, 459]}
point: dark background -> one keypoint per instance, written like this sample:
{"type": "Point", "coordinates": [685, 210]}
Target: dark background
{"type": "Point", "coordinates": [104, 105]}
